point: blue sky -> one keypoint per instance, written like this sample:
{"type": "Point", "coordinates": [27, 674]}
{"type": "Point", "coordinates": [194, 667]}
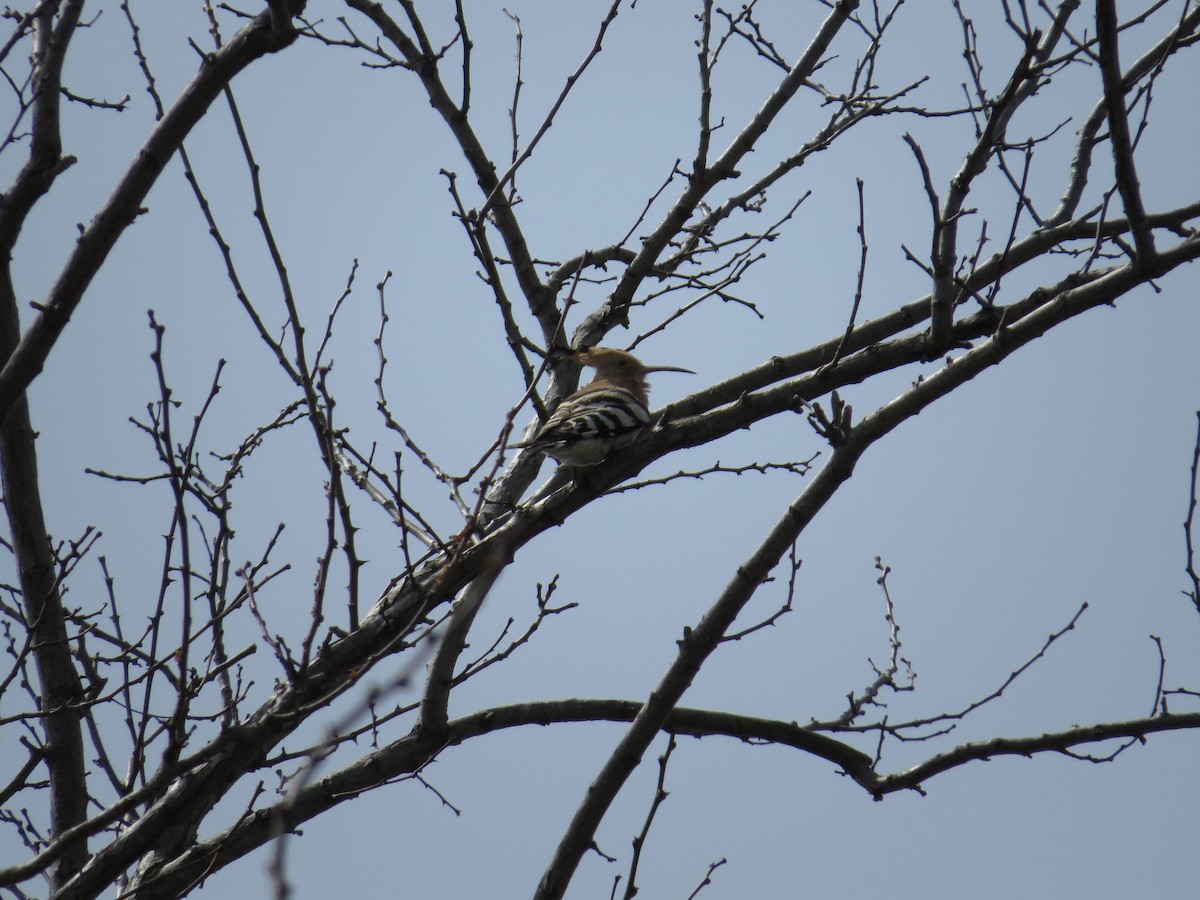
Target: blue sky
{"type": "Point", "coordinates": [1057, 479]}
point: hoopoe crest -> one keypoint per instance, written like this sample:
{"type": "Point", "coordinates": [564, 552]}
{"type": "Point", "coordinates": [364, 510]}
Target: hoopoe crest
{"type": "Point", "coordinates": [608, 414]}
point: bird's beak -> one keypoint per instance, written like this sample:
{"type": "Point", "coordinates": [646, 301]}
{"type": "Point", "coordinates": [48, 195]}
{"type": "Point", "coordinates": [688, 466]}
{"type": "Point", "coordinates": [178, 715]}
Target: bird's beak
{"type": "Point", "coordinates": [668, 369]}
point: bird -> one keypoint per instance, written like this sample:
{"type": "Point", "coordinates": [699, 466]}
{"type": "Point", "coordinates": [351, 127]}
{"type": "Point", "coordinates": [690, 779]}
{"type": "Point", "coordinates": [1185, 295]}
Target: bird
{"type": "Point", "coordinates": [608, 414]}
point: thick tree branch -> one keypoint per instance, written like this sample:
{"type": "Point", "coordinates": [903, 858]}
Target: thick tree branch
{"type": "Point", "coordinates": [413, 752]}
{"type": "Point", "coordinates": [740, 389]}
{"type": "Point", "coordinates": [60, 688]}
{"type": "Point", "coordinates": [1118, 128]}
{"type": "Point", "coordinates": [1081, 162]}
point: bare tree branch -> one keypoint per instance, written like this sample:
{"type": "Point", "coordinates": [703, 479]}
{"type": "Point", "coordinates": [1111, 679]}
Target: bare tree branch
{"type": "Point", "coordinates": [141, 708]}
{"type": "Point", "coordinates": [257, 39]}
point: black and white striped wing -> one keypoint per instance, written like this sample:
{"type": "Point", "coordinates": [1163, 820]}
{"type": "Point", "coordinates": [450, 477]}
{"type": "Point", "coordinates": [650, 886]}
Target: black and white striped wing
{"type": "Point", "coordinates": [593, 424]}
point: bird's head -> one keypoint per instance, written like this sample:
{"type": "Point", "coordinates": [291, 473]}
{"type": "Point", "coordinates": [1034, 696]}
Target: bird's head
{"type": "Point", "coordinates": [621, 369]}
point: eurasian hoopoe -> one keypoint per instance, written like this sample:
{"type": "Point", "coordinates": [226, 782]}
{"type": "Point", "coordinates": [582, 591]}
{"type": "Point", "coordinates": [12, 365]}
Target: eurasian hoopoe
{"type": "Point", "coordinates": [607, 415]}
